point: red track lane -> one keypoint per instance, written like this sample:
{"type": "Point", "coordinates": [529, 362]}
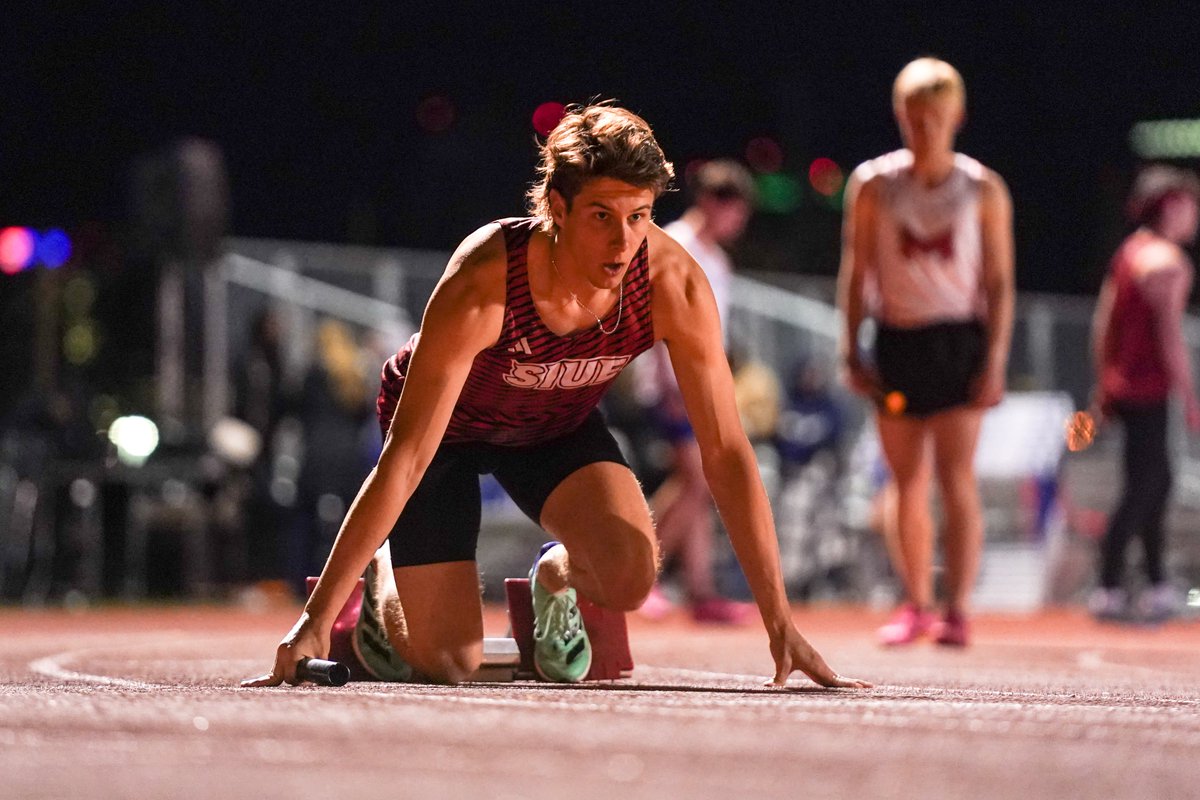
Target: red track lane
{"type": "Point", "coordinates": [123, 703]}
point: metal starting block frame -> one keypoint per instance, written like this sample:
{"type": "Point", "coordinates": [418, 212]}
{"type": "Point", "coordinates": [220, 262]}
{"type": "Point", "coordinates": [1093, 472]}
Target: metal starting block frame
{"type": "Point", "coordinates": [506, 658]}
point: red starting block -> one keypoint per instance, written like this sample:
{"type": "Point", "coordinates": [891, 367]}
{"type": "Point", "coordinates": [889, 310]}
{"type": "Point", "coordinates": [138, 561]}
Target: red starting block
{"type": "Point", "coordinates": [606, 631]}
{"type": "Point", "coordinates": [342, 632]}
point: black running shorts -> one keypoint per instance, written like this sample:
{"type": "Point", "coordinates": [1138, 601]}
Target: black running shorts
{"type": "Point", "coordinates": [932, 366]}
{"type": "Point", "coordinates": [440, 522]}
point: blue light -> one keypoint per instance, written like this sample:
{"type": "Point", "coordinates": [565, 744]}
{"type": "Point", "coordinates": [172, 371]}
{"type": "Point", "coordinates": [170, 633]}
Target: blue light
{"type": "Point", "coordinates": [54, 248]}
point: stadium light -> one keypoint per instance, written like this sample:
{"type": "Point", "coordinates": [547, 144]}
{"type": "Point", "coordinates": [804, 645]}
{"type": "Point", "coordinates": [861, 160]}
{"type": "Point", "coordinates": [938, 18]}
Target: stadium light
{"type": "Point", "coordinates": [1166, 138]}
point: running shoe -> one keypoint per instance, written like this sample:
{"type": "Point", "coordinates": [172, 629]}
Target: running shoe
{"type": "Point", "coordinates": [657, 605]}
{"type": "Point", "coordinates": [561, 650]}
{"type": "Point", "coordinates": [1158, 603]}
{"type": "Point", "coordinates": [370, 640]}
{"type": "Point", "coordinates": [1109, 605]}
{"type": "Point", "coordinates": [907, 625]}
{"type": "Point", "coordinates": [721, 611]}
{"type": "Point", "coordinates": [951, 630]}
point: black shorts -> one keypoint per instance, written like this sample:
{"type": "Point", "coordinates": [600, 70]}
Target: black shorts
{"type": "Point", "coordinates": [440, 522]}
{"type": "Point", "coordinates": [932, 366]}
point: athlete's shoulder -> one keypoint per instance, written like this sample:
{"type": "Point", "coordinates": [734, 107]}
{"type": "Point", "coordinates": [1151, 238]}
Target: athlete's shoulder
{"type": "Point", "coordinates": [1162, 257]}
{"type": "Point", "coordinates": [481, 252]}
{"type": "Point", "coordinates": [682, 231]}
{"type": "Point", "coordinates": [475, 274]}
{"type": "Point", "coordinates": [882, 167]}
{"type": "Point", "coordinates": [988, 179]}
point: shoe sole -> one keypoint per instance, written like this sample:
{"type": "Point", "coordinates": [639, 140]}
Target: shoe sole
{"type": "Point", "coordinates": [538, 669]}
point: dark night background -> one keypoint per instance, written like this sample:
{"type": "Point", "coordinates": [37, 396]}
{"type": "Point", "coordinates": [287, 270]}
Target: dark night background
{"type": "Point", "coordinates": [316, 108]}
{"type": "Point", "coordinates": [410, 125]}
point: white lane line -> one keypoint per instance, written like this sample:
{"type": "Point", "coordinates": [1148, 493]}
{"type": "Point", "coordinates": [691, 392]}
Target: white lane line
{"type": "Point", "coordinates": [52, 667]}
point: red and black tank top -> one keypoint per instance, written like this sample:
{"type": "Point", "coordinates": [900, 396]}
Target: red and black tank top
{"type": "Point", "coordinates": [533, 384]}
{"type": "Point", "coordinates": [1135, 370]}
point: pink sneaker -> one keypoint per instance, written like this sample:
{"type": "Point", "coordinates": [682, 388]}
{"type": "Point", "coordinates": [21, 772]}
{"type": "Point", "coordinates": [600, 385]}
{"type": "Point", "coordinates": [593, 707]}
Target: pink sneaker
{"type": "Point", "coordinates": [720, 611]}
{"type": "Point", "coordinates": [952, 630]}
{"type": "Point", "coordinates": [906, 626]}
{"type": "Point", "coordinates": [656, 605]}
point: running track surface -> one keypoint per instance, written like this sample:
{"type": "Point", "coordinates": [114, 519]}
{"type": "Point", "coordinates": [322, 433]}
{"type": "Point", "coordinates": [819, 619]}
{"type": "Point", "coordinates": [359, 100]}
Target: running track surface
{"type": "Point", "coordinates": [144, 703]}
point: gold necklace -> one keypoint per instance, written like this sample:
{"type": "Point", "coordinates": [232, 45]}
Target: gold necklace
{"type": "Point", "coordinates": [585, 306]}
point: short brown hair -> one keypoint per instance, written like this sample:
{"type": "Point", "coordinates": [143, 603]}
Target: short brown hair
{"type": "Point", "coordinates": [722, 177]}
{"type": "Point", "coordinates": [1153, 186]}
{"type": "Point", "coordinates": [597, 141]}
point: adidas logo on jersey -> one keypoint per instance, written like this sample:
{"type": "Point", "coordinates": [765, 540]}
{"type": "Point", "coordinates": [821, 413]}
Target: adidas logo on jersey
{"type": "Point", "coordinates": [521, 347]}
{"type": "Point", "coordinates": [570, 373]}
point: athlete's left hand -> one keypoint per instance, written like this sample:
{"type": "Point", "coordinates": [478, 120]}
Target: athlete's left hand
{"type": "Point", "coordinates": [1191, 413]}
{"type": "Point", "coordinates": [988, 389]}
{"type": "Point", "coordinates": [792, 651]}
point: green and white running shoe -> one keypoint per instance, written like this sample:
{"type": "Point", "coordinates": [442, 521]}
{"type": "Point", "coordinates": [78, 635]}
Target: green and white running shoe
{"type": "Point", "coordinates": [561, 650]}
{"type": "Point", "coordinates": [370, 639]}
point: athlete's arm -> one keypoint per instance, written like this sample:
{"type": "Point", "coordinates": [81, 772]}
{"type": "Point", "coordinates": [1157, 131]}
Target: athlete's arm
{"type": "Point", "coordinates": [685, 317]}
{"type": "Point", "coordinates": [462, 318]}
{"type": "Point", "coordinates": [1165, 280]}
{"type": "Point", "coordinates": [858, 254]}
{"type": "Point", "coordinates": [996, 228]}
{"type": "Point", "coordinates": [1101, 324]}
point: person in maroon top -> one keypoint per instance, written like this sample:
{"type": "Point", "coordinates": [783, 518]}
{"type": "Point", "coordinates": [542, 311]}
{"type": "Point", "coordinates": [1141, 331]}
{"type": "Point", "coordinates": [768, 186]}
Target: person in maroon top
{"type": "Point", "coordinates": [529, 323]}
{"type": "Point", "coordinates": [1141, 359]}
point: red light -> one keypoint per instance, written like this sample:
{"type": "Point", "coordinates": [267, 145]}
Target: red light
{"type": "Point", "coordinates": [16, 249]}
{"type": "Point", "coordinates": [764, 155]}
{"type": "Point", "coordinates": [825, 176]}
{"type": "Point", "coordinates": [547, 116]}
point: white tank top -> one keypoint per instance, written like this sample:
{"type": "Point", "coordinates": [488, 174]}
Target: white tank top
{"type": "Point", "coordinates": [713, 259]}
{"type": "Point", "coordinates": [929, 254]}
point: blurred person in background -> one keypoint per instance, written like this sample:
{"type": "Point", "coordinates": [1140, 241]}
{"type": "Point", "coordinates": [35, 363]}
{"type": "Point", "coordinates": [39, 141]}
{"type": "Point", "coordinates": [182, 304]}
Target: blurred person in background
{"type": "Point", "coordinates": [813, 421]}
{"type": "Point", "coordinates": [333, 404]}
{"type": "Point", "coordinates": [722, 200]}
{"type": "Point", "coordinates": [261, 401]}
{"type": "Point", "coordinates": [1141, 359]}
{"type": "Point", "coordinates": [529, 325]}
{"type": "Point", "coordinates": [928, 237]}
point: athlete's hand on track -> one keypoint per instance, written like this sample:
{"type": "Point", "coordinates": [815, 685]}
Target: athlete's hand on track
{"type": "Point", "coordinates": [792, 651]}
{"type": "Point", "coordinates": [305, 640]}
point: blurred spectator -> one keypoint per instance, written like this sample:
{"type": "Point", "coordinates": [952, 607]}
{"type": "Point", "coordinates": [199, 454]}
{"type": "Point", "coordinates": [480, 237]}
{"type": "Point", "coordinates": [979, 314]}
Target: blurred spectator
{"type": "Point", "coordinates": [813, 420]}
{"type": "Point", "coordinates": [1141, 359]}
{"type": "Point", "coordinates": [260, 400]}
{"type": "Point", "coordinates": [813, 546]}
{"type": "Point", "coordinates": [757, 394]}
{"type": "Point", "coordinates": [723, 193]}
{"type": "Point", "coordinates": [332, 407]}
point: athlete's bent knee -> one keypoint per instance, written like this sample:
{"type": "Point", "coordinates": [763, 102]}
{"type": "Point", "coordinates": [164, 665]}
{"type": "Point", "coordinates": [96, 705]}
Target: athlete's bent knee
{"type": "Point", "coordinates": [449, 666]}
{"type": "Point", "coordinates": [627, 588]}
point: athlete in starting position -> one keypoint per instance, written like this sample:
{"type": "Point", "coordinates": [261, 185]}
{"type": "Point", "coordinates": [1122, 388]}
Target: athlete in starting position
{"type": "Point", "coordinates": [531, 321]}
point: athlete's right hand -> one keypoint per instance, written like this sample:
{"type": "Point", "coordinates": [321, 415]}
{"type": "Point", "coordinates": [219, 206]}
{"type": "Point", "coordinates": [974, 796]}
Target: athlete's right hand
{"type": "Point", "coordinates": [861, 379]}
{"type": "Point", "coordinates": [1191, 412]}
{"type": "Point", "coordinates": [306, 639]}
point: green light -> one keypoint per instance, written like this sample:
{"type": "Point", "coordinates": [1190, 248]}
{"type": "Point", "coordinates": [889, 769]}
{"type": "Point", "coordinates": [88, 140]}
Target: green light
{"type": "Point", "coordinates": [778, 193]}
{"type": "Point", "coordinates": [1166, 138]}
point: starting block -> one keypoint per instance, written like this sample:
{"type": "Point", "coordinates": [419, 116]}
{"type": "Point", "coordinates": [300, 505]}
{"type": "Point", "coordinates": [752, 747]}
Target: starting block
{"type": "Point", "coordinates": [504, 658]}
